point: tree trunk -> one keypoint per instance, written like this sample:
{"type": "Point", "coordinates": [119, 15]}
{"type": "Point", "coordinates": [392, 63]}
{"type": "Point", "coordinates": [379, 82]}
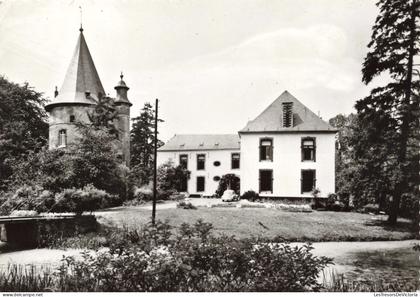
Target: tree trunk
{"type": "Point", "coordinates": [402, 183]}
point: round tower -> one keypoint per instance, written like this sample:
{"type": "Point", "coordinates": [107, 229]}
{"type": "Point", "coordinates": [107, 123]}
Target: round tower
{"type": "Point", "coordinates": [78, 95]}
{"type": "Point", "coordinates": [122, 106]}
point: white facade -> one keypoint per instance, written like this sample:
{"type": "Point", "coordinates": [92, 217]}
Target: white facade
{"type": "Point", "coordinates": [287, 164]}
{"type": "Point", "coordinates": [211, 172]}
{"type": "Point", "coordinates": [287, 151]}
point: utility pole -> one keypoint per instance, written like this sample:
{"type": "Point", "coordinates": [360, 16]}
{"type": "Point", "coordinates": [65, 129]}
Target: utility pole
{"type": "Point", "coordinates": [155, 165]}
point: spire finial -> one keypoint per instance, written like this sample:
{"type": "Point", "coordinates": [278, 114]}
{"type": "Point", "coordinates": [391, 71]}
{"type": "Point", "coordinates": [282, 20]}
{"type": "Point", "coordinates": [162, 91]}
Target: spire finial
{"type": "Point", "coordinates": [121, 75]}
{"type": "Point", "coordinates": [81, 19]}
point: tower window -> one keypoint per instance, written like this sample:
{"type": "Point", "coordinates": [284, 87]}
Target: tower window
{"type": "Point", "coordinates": [62, 138]}
{"type": "Point", "coordinates": [72, 119]}
{"type": "Point", "coordinates": [266, 149]}
{"type": "Point", "coordinates": [308, 149]}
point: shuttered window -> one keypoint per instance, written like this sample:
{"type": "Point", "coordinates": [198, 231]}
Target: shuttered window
{"type": "Point", "coordinates": [308, 148]}
{"type": "Point", "coordinates": [266, 181]}
{"type": "Point", "coordinates": [308, 181]}
{"type": "Point", "coordinates": [266, 149]}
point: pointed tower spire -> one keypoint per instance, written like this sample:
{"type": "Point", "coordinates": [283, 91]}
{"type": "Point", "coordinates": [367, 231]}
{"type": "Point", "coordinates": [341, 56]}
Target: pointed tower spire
{"type": "Point", "coordinates": [81, 19]}
{"type": "Point", "coordinates": [82, 84]}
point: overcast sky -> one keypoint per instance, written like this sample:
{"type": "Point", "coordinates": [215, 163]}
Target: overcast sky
{"type": "Point", "coordinates": [214, 64]}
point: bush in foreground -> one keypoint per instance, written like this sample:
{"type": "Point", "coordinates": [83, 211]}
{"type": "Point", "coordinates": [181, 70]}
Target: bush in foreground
{"type": "Point", "coordinates": [155, 259]}
{"type": "Point", "coordinates": [34, 198]}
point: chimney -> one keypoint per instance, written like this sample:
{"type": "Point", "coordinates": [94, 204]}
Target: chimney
{"type": "Point", "coordinates": [55, 92]}
{"type": "Point", "coordinates": [287, 114]}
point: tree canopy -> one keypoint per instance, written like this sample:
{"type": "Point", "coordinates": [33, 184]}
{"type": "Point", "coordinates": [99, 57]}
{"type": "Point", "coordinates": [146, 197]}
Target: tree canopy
{"type": "Point", "coordinates": [23, 126]}
{"type": "Point", "coordinates": [390, 114]}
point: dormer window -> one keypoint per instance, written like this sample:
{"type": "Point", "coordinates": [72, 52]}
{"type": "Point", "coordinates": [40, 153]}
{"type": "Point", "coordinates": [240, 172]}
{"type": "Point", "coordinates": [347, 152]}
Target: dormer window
{"type": "Point", "coordinates": [72, 118]}
{"type": "Point", "coordinates": [62, 138]}
{"type": "Point", "coordinates": [287, 114]}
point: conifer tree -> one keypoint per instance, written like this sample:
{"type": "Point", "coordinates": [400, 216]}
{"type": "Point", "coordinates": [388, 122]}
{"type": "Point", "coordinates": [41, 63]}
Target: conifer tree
{"type": "Point", "coordinates": [104, 116]}
{"type": "Point", "coordinates": [142, 142]}
{"type": "Point", "coordinates": [394, 107]}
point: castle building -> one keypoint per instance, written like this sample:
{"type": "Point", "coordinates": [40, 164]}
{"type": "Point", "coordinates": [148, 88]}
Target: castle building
{"type": "Point", "coordinates": [81, 91]}
{"type": "Point", "coordinates": [285, 152]}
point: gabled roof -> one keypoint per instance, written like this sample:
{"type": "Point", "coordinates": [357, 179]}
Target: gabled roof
{"type": "Point", "coordinates": [193, 142]}
{"type": "Point", "coordinates": [81, 77]}
{"type": "Point", "coordinates": [271, 119]}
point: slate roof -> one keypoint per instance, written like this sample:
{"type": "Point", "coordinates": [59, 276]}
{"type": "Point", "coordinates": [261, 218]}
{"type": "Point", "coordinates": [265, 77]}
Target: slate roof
{"type": "Point", "coordinates": [271, 119]}
{"type": "Point", "coordinates": [81, 76]}
{"type": "Point", "coordinates": [192, 142]}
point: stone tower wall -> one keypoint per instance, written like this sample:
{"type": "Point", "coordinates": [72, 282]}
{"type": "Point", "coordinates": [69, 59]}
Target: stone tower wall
{"type": "Point", "coordinates": [59, 118]}
{"type": "Point", "coordinates": [123, 124]}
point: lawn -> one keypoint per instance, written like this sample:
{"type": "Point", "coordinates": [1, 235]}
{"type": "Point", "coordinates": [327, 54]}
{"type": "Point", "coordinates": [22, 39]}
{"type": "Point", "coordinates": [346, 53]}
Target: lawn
{"type": "Point", "coordinates": [292, 226]}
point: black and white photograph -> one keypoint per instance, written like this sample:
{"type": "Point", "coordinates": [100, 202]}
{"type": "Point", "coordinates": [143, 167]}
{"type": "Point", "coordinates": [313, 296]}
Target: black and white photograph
{"type": "Point", "coordinates": [207, 146]}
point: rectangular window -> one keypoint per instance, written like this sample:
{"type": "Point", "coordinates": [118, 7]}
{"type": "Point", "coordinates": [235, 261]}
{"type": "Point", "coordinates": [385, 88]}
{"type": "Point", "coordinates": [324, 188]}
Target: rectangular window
{"type": "Point", "coordinates": [266, 181]}
{"type": "Point", "coordinates": [236, 157]}
{"type": "Point", "coordinates": [201, 183]}
{"type": "Point", "coordinates": [308, 149]}
{"type": "Point", "coordinates": [266, 150]}
{"type": "Point", "coordinates": [201, 162]}
{"type": "Point", "coordinates": [183, 161]}
{"type": "Point", "coordinates": [308, 181]}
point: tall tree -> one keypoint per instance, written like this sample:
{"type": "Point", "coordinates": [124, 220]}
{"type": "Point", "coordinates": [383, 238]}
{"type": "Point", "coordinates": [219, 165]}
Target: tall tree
{"type": "Point", "coordinates": [142, 137]}
{"type": "Point", "coordinates": [394, 43]}
{"type": "Point", "coordinates": [104, 115]}
{"type": "Point", "coordinates": [23, 125]}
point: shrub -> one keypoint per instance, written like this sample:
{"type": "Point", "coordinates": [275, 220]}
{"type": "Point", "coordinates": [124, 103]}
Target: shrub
{"type": "Point", "coordinates": [170, 179]}
{"type": "Point", "coordinates": [153, 259]}
{"type": "Point", "coordinates": [87, 199]}
{"type": "Point", "coordinates": [371, 208]}
{"type": "Point", "coordinates": [27, 198]}
{"type": "Point", "coordinates": [250, 196]}
{"type": "Point", "coordinates": [293, 207]}
{"type": "Point", "coordinates": [224, 204]}
{"type": "Point", "coordinates": [185, 205]}
{"type": "Point", "coordinates": [231, 181]}
{"type": "Point", "coordinates": [333, 203]}
{"type": "Point", "coordinates": [140, 196]}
